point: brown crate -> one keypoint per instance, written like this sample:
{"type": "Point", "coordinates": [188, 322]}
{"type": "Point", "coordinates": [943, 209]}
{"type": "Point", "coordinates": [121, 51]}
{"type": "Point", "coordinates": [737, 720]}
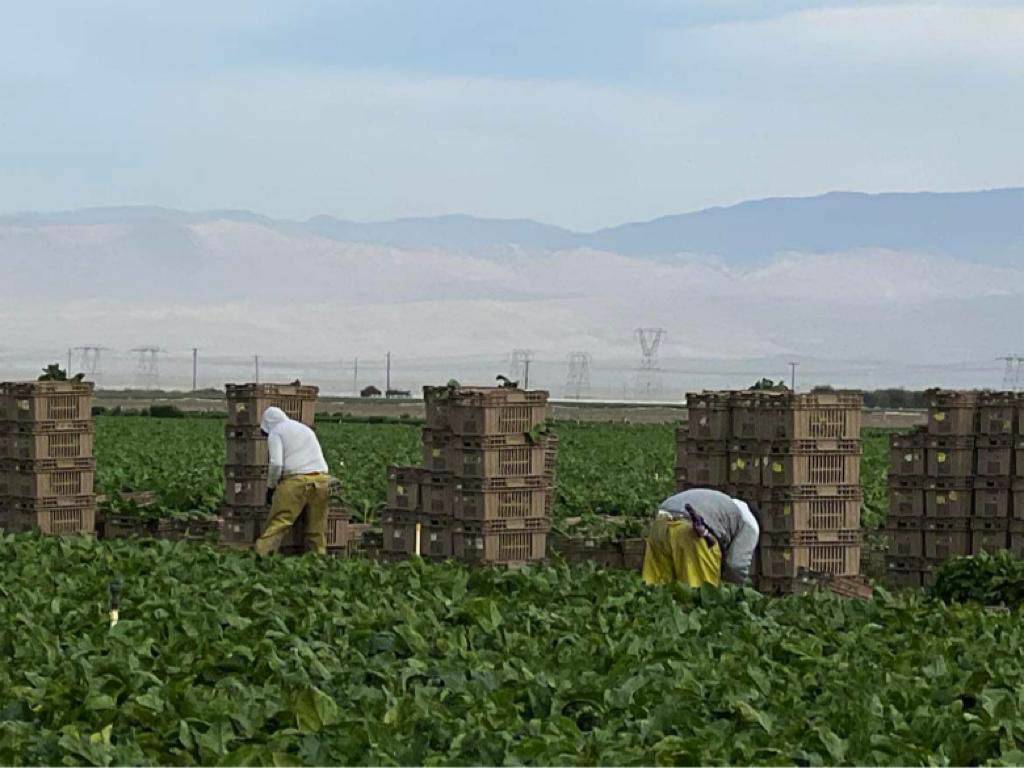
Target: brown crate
{"type": "Point", "coordinates": [835, 559]}
{"type": "Point", "coordinates": [245, 446]}
{"type": "Point", "coordinates": [1015, 541]}
{"type": "Point", "coordinates": [247, 402]}
{"type": "Point", "coordinates": [1017, 499]}
{"type": "Point", "coordinates": [948, 538]}
{"type": "Point", "coordinates": [799, 463]}
{"type": "Point", "coordinates": [950, 456]}
{"type": "Point", "coordinates": [27, 442]}
{"type": "Point", "coordinates": [905, 541]}
{"type": "Point", "coordinates": [989, 534]}
{"type": "Point", "coordinates": [951, 413]}
{"type": "Point", "coordinates": [746, 461]}
{"type": "Point", "coordinates": [482, 457]}
{"type": "Point", "coordinates": [707, 463]}
{"type": "Point", "coordinates": [907, 455]}
{"type": "Point", "coordinates": [47, 478]}
{"type": "Point", "coordinates": [903, 563]}
{"type": "Point", "coordinates": [605, 552]}
{"type": "Point", "coordinates": [774, 539]}
{"type": "Point", "coordinates": [435, 449]}
{"type": "Point", "coordinates": [949, 499]}
{"type": "Point", "coordinates": [245, 486]}
{"type": "Point", "coordinates": [45, 401]}
{"type": "Point", "coordinates": [416, 534]}
{"type": "Point", "coordinates": [133, 526]}
{"type": "Point", "coordinates": [473, 503]}
{"type": "Point", "coordinates": [472, 545]}
{"type": "Point", "coordinates": [241, 526]}
{"type": "Point", "coordinates": [708, 415]}
{"type": "Point", "coordinates": [992, 502]}
{"type": "Point", "coordinates": [551, 455]}
{"type": "Point", "coordinates": [50, 521]}
{"type": "Point", "coordinates": [904, 579]}
{"type": "Point", "coordinates": [797, 512]}
{"type": "Point", "coordinates": [907, 502]}
{"type": "Point", "coordinates": [404, 487]}
{"type": "Point", "coordinates": [633, 553]}
{"type": "Point", "coordinates": [484, 411]}
{"type": "Point", "coordinates": [437, 494]}
{"type": "Point", "coordinates": [748, 413]}
{"type": "Point", "coordinates": [994, 456]}
{"type": "Point", "coordinates": [812, 416]}
{"type": "Point", "coordinates": [997, 413]}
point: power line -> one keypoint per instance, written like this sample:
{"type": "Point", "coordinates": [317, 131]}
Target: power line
{"type": "Point", "coordinates": [577, 381]}
{"type": "Point", "coordinates": [648, 375]}
{"type": "Point", "coordinates": [148, 368]}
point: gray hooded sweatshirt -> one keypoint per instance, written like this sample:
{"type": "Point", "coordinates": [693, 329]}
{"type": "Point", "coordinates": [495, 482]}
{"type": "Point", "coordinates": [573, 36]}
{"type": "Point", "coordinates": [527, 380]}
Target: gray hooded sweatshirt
{"type": "Point", "coordinates": [293, 447]}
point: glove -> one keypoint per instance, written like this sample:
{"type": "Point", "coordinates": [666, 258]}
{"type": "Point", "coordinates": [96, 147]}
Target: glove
{"type": "Point", "coordinates": [270, 496]}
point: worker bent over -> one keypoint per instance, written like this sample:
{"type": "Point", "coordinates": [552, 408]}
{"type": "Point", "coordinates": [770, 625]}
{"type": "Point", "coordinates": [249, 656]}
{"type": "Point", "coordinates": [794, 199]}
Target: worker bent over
{"type": "Point", "coordinates": [699, 537]}
{"type": "Point", "coordinates": [297, 482]}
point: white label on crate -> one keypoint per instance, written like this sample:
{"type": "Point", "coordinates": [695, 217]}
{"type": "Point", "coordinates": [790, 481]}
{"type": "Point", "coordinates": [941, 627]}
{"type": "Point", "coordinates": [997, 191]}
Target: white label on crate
{"type": "Point", "coordinates": [24, 405]}
{"type": "Point", "coordinates": [953, 496]}
{"type": "Point", "coordinates": [436, 453]}
{"type": "Point", "coordinates": [940, 500]}
{"type": "Point", "coordinates": [909, 457]}
{"type": "Point", "coordinates": [703, 421]}
{"type": "Point", "coordinates": [238, 487]}
{"type": "Point", "coordinates": [433, 537]}
{"type": "Point", "coordinates": [240, 407]}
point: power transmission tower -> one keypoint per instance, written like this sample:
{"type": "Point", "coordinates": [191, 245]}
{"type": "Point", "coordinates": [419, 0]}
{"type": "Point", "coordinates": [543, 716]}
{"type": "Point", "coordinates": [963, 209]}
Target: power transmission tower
{"type": "Point", "coordinates": [649, 376]}
{"type": "Point", "coordinates": [792, 376]}
{"type": "Point", "coordinates": [256, 366]}
{"type": "Point", "coordinates": [519, 368]}
{"type": "Point", "coordinates": [577, 381]}
{"type": "Point", "coordinates": [88, 361]}
{"type": "Point", "coordinates": [195, 368]}
{"type": "Point", "coordinates": [147, 372]}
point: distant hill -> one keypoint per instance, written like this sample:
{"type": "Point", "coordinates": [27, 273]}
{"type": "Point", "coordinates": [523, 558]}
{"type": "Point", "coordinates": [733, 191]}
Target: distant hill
{"type": "Point", "coordinates": [982, 227]}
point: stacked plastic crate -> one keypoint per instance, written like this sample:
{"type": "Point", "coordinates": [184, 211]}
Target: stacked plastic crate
{"type": "Point", "coordinates": [245, 471]}
{"type": "Point", "coordinates": [811, 495]}
{"type": "Point", "coordinates": [952, 481]}
{"type": "Point", "coordinates": [484, 494]}
{"type": "Point", "coordinates": [702, 444]}
{"type": "Point", "coordinates": [47, 466]}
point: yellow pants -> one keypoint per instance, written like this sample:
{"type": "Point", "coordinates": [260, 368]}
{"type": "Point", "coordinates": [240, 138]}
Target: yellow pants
{"type": "Point", "coordinates": [293, 495]}
{"type": "Point", "coordinates": [676, 553]}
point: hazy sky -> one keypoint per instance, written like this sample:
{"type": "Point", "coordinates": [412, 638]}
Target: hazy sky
{"type": "Point", "coordinates": [583, 113]}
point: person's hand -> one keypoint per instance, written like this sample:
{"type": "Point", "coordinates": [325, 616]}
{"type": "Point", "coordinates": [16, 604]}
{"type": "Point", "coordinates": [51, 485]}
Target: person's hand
{"type": "Point", "coordinates": [270, 496]}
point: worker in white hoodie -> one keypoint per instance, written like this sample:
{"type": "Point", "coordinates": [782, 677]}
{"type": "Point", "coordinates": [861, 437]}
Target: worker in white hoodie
{"type": "Point", "coordinates": [297, 481]}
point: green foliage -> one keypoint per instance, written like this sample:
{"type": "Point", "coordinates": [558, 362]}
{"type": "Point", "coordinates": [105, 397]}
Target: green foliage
{"type": "Point", "coordinates": [987, 579]}
{"type": "Point", "coordinates": [874, 473]}
{"type": "Point", "coordinates": [166, 412]}
{"type": "Point", "coordinates": [223, 658]}
{"type": "Point", "coordinates": [53, 372]}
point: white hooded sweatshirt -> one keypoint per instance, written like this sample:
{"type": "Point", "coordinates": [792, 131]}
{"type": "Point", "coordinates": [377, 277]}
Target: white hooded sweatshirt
{"type": "Point", "coordinates": [293, 447]}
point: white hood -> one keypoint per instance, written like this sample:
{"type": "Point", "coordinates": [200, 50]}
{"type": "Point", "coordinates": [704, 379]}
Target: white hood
{"type": "Point", "coordinates": [273, 417]}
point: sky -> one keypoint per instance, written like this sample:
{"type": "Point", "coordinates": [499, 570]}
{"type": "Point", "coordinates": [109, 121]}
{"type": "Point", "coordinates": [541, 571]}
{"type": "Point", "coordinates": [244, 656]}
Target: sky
{"type": "Point", "coordinates": [583, 114]}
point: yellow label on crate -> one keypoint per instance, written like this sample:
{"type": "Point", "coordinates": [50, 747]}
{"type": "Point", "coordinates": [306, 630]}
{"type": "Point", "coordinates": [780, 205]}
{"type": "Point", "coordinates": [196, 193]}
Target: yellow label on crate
{"type": "Point", "coordinates": [24, 405]}
{"type": "Point", "coordinates": [940, 457]}
{"type": "Point", "coordinates": [953, 496]}
{"type": "Point", "coordinates": [400, 490]}
{"type": "Point", "coordinates": [939, 416]}
{"type": "Point", "coordinates": [436, 453]}
{"type": "Point", "coordinates": [740, 464]}
{"type": "Point", "coordinates": [787, 509]}
{"type": "Point", "coordinates": [777, 467]}
{"type": "Point", "coordinates": [787, 556]}
{"type": "Point", "coordinates": [940, 500]}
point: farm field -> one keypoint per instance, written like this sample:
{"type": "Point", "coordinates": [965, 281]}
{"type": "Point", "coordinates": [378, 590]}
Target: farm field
{"type": "Point", "coordinates": [606, 469]}
{"type": "Point", "coordinates": [220, 658]}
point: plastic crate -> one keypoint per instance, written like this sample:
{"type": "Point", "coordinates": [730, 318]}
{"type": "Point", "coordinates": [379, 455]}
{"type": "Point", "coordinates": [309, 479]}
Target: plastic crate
{"type": "Point", "coordinates": [245, 485]}
{"type": "Point", "coordinates": [633, 553]}
{"type": "Point", "coordinates": [950, 456]}
{"type": "Point", "coordinates": [800, 512]}
{"type": "Point", "coordinates": [472, 502]}
{"type": "Point", "coordinates": [416, 534]}
{"type": "Point", "coordinates": [246, 446]}
{"type": "Point", "coordinates": [1017, 499]}
{"type": "Point", "coordinates": [241, 526]}
{"type": "Point", "coordinates": [812, 416]}
{"type": "Point", "coordinates": [749, 413]}
{"type": "Point", "coordinates": [46, 401]}
{"type": "Point", "coordinates": [45, 478]}
{"type": "Point", "coordinates": [473, 545]}
{"type": "Point", "coordinates": [551, 456]}
{"type": "Point", "coordinates": [907, 502]}
{"type": "Point", "coordinates": [483, 457]}
{"type": "Point", "coordinates": [42, 440]}
{"type": "Point", "coordinates": [775, 539]}
{"type": "Point", "coordinates": [605, 552]}
{"type": "Point", "coordinates": [951, 413]}
{"type": "Point", "coordinates": [997, 413]}
{"type": "Point", "coordinates": [803, 463]}
{"type": "Point", "coordinates": [247, 402]}
{"type": "Point", "coordinates": [481, 411]}
{"type": "Point", "coordinates": [437, 495]}
{"type": "Point", "coordinates": [905, 541]}
{"type": "Point", "coordinates": [51, 521]}
{"type": "Point", "coordinates": [949, 499]}
{"type": "Point", "coordinates": [948, 538]}
{"type": "Point", "coordinates": [994, 456]}
{"type": "Point", "coordinates": [708, 415]}
{"type": "Point", "coordinates": [989, 534]}
{"type": "Point", "coordinates": [832, 558]}
{"type": "Point", "coordinates": [707, 463]}
{"type": "Point", "coordinates": [133, 526]}
{"type": "Point", "coordinates": [992, 502]}
{"type": "Point", "coordinates": [1015, 539]}
{"type": "Point", "coordinates": [907, 455]}
{"type": "Point", "coordinates": [746, 461]}
{"type": "Point", "coordinates": [404, 487]}
{"type": "Point", "coordinates": [904, 579]}
{"type": "Point", "coordinates": [435, 449]}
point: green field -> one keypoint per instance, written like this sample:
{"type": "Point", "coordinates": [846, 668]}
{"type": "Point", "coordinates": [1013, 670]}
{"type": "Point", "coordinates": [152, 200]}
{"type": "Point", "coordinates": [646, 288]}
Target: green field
{"type": "Point", "coordinates": [602, 468]}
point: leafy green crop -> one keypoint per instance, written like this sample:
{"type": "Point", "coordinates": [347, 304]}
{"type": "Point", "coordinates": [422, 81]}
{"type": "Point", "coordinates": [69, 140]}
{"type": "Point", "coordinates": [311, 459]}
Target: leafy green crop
{"type": "Point", "coordinates": [222, 658]}
{"type": "Point", "coordinates": [988, 579]}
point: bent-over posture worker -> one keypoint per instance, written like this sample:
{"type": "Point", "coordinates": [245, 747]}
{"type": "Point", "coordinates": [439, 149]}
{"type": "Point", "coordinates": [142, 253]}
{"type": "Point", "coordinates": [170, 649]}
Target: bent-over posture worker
{"type": "Point", "coordinates": [701, 536]}
{"type": "Point", "coordinates": [297, 482]}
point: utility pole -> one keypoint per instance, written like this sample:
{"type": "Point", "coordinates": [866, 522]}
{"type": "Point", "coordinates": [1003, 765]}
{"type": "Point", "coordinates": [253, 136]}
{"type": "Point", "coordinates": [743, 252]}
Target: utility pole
{"type": "Point", "coordinates": [195, 368]}
{"type": "Point", "coordinates": [520, 366]}
{"type": "Point", "coordinates": [387, 386]}
{"type": "Point", "coordinates": [792, 376]}
{"type": "Point", "coordinates": [355, 377]}
{"type": "Point", "coordinates": [526, 373]}
{"type": "Point", "coordinates": [256, 364]}
{"type": "Point", "coordinates": [68, 369]}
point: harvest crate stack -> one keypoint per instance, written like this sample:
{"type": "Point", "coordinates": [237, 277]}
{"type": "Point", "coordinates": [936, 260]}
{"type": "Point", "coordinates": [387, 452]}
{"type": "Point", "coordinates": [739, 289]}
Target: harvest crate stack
{"type": "Point", "coordinates": [795, 456]}
{"type": "Point", "coordinates": [484, 493]}
{"type": "Point", "coordinates": [47, 468]}
{"type": "Point", "coordinates": [953, 485]}
{"type": "Point", "coordinates": [245, 472]}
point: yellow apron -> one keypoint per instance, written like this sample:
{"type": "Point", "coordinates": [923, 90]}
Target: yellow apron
{"type": "Point", "coordinates": [675, 552]}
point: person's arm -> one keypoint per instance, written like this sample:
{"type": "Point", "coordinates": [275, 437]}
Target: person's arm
{"type": "Point", "coordinates": [275, 446]}
{"type": "Point", "coordinates": [736, 562]}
